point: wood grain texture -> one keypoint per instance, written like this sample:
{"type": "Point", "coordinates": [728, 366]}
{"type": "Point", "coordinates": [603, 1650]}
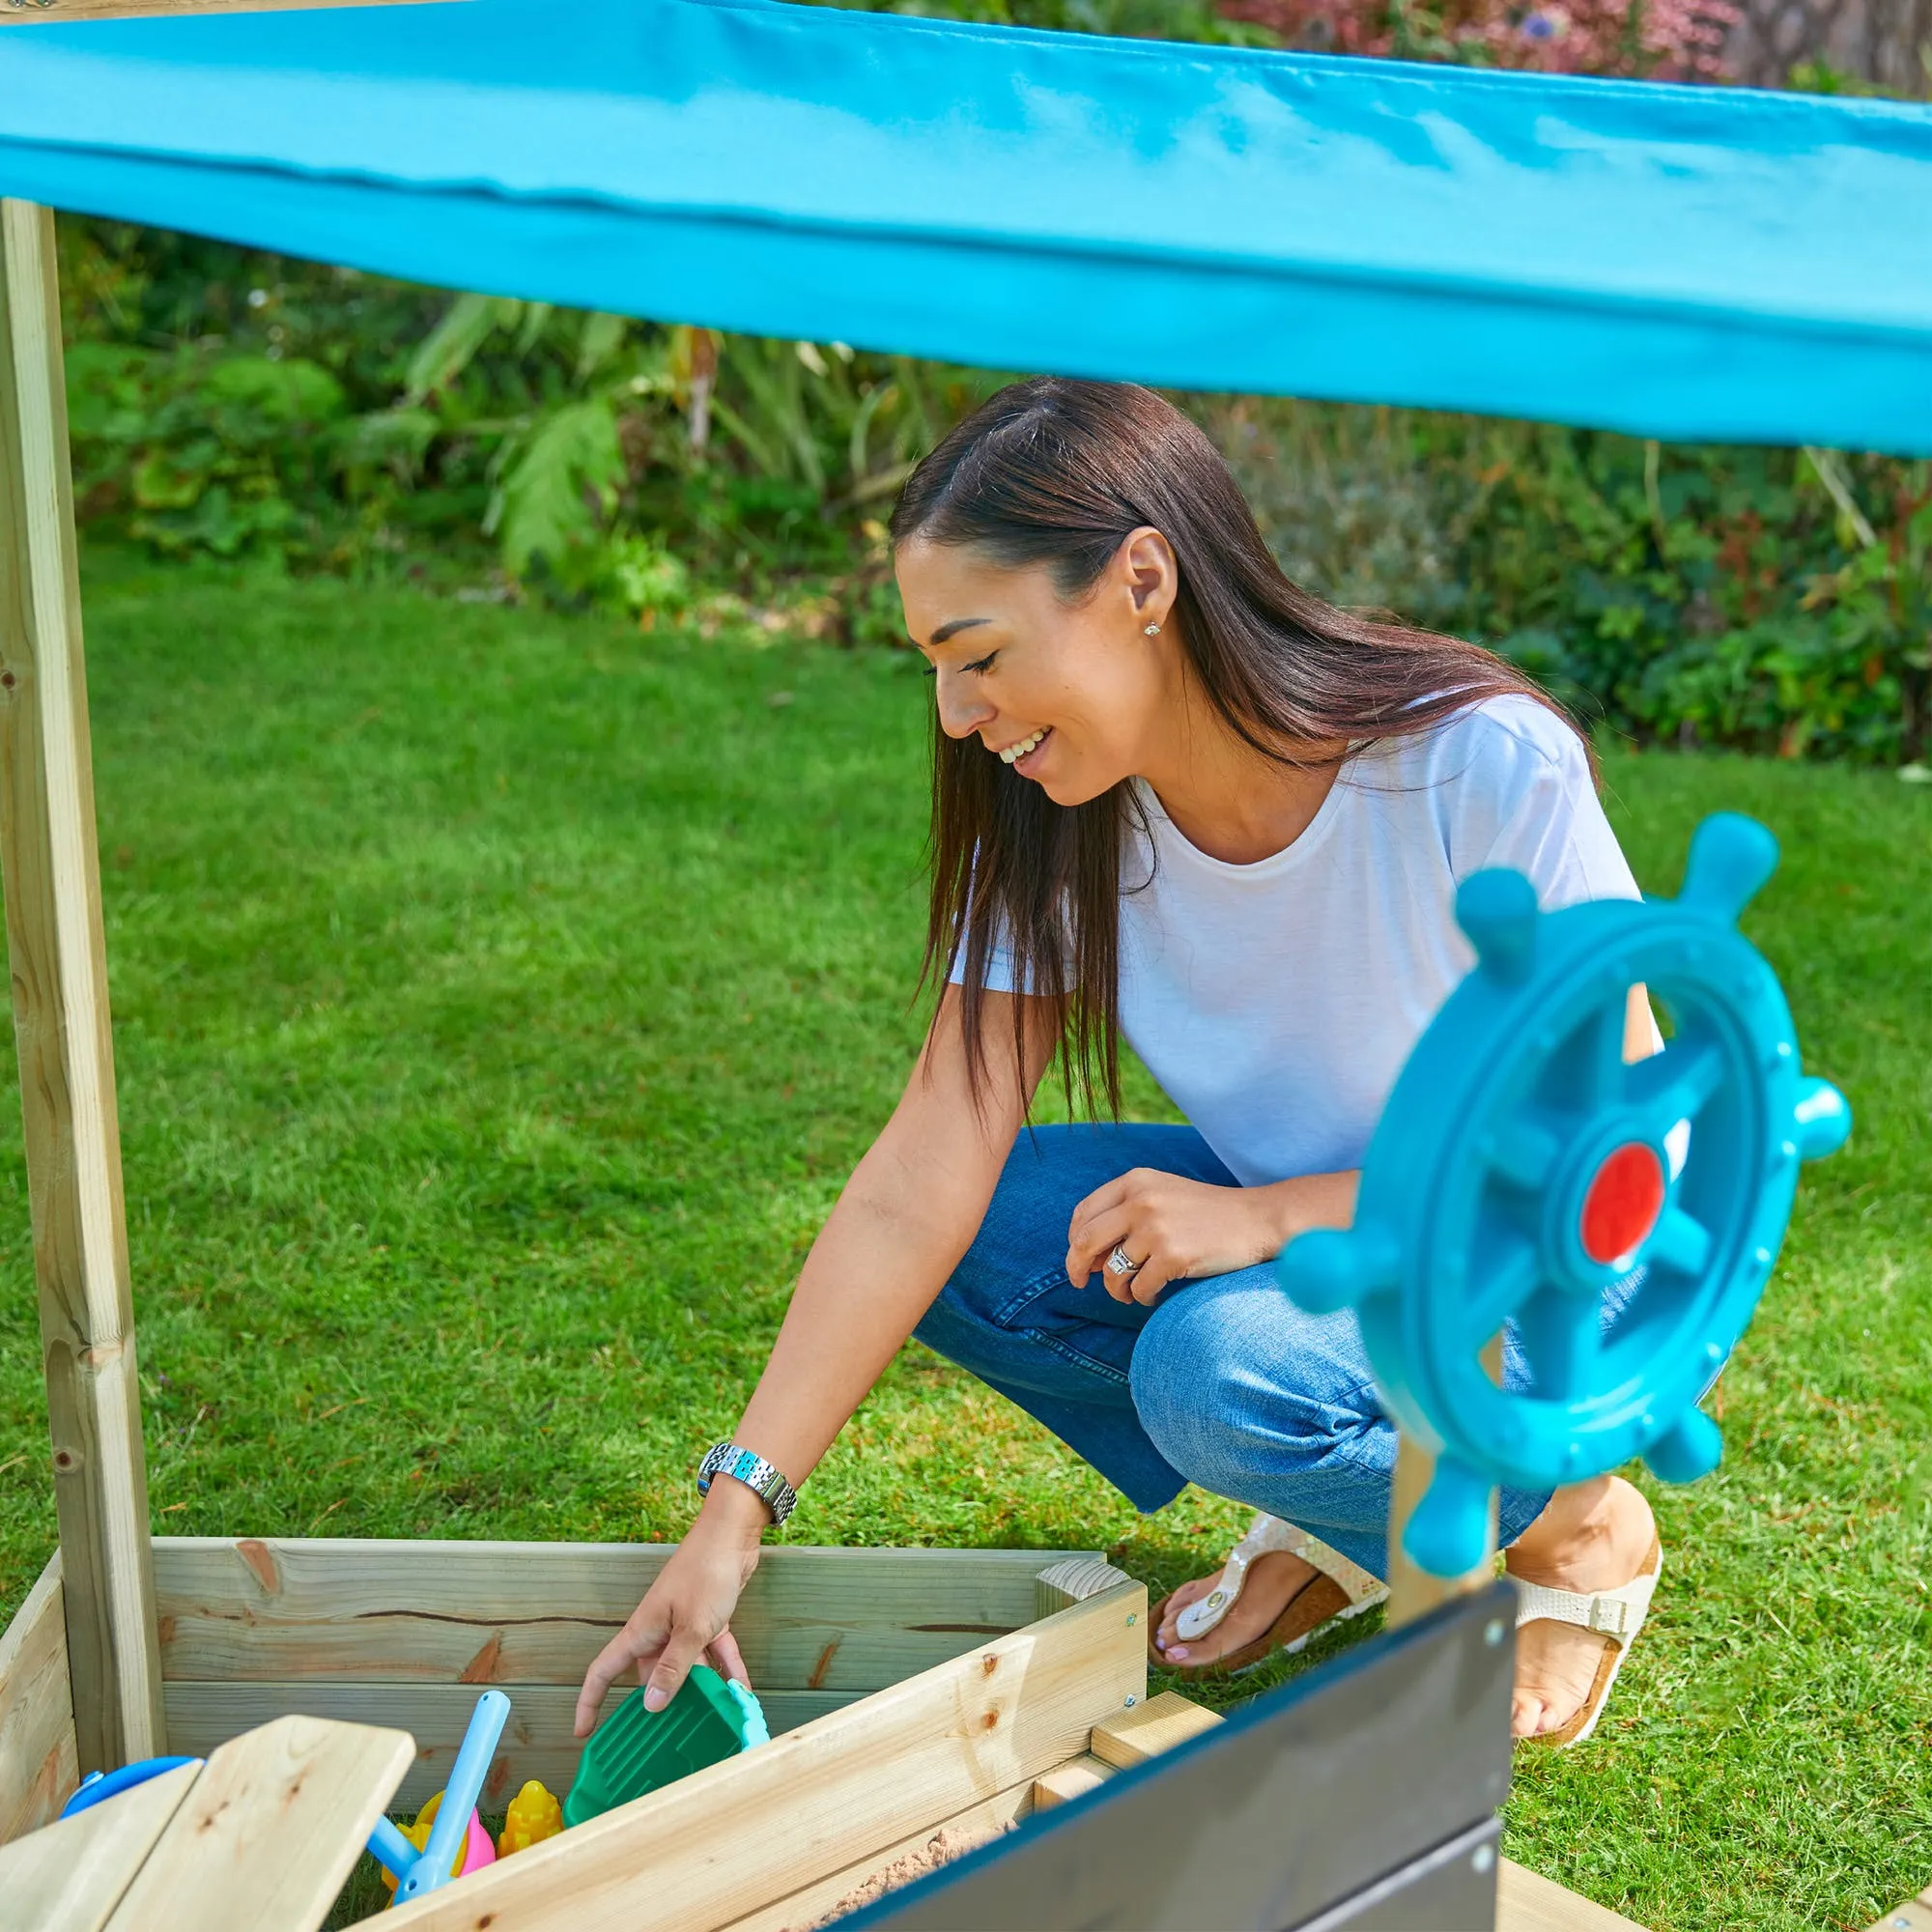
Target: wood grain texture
{"type": "Point", "coordinates": [1528, 1903]}
{"type": "Point", "coordinates": [72, 1876]}
{"type": "Point", "coordinates": [1073, 1579]}
{"type": "Point", "coordinates": [58, 964]}
{"type": "Point", "coordinates": [537, 1741]}
{"type": "Point", "coordinates": [269, 1832]}
{"type": "Point", "coordinates": [1066, 1782]}
{"type": "Point", "coordinates": [23, 13]}
{"type": "Point", "coordinates": [1147, 1730]}
{"type": "Point", "coordinates": [834, 1793]}
{"type": "Point", "coordinates": [39, 1767]}
{"type": "Point", "coordinates": [510, 1614]}
{"type": "Point", "coordinates": [798, 1910]}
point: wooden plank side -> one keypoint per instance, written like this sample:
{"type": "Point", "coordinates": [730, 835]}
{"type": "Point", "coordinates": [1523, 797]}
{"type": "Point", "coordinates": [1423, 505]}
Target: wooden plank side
{"type": "Point", "coordinates": [804, 1908]}
{"type": "Point", "coordinates": [1147, 1730]}
{"type": "Point", "coordinates": [272, 1828]}
{"type": "Point", "coordinates": [58, 961]}
{"type": "Point", "coordinates": [537, 1741]}
{"type": "Point", "coordinates": [72, 1876]}
{"type": "Point", "coordinates": [39, 1767]}
{"type": "Point", "coordinates": [1527, 1902]}
{"type": "Point", "coordinates": [1066, 1782]}
{"type": "Point", "coordinates": [512, 1613]}
{"type": "Point", "coordinates": [824, 1797]}
{"type": "Point", "coordinates": [23, 13]}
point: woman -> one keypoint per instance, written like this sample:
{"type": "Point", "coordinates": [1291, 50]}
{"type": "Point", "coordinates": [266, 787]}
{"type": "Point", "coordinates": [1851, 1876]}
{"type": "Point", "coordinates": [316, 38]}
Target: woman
{"type": "Point", "coordinates": [1176, 798]}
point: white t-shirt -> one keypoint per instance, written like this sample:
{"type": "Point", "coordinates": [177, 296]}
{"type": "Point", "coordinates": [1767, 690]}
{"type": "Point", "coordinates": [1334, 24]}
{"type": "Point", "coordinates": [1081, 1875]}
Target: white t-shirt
{"type": "Point", "coordinates": [1276, 1003]}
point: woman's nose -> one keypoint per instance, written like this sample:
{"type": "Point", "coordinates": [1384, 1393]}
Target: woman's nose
{"type": "Point", "coordinates": [962, 710]}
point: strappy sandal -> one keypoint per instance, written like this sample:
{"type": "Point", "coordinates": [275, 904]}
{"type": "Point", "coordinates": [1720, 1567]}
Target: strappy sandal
{"type": "Point", "coordinates": [1337, 1589]}
{"type": "Point", "coordinates": [1615, 1615]}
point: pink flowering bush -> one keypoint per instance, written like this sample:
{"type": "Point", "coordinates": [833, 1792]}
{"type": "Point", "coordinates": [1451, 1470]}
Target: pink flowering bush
{"type": "Point", "coordinates": [1658, 39]}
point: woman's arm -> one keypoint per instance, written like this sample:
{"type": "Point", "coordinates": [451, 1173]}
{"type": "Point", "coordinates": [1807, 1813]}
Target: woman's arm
{"type": "Point", "coordinates": [909, 1212]}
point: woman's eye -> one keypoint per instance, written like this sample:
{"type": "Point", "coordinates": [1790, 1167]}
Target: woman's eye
{"type": "Point", "coordinates": [983, 664]}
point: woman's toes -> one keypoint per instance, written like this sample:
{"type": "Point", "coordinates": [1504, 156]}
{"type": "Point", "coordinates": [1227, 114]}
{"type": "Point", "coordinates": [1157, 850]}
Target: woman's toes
{"type": "Point", "coordinates": [1188, 1593]}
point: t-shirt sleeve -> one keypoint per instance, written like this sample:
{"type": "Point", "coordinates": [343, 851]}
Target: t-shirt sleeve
{"type": "Point", "coordinates": [999, 966]}
{"type": "Point", "coordinates": [1527, 801]}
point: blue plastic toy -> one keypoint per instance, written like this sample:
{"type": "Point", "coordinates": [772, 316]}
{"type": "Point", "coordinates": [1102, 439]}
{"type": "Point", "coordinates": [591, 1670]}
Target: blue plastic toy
{"type": "Point", "coordinates": [1520, 1168]}
{"type": "Point", "coordinates": [434, 1866]}
{"type": "Point", "coordinates": [99, 1785]}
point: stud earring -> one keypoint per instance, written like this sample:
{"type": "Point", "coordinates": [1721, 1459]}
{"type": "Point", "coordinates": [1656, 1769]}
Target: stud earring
{"type": "Point", "coordinates": [1150, 630]}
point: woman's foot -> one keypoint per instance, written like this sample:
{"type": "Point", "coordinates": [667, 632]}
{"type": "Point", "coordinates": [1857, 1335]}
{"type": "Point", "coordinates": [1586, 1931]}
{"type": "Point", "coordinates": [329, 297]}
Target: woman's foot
{"type": "Point", "coordinates": [1274, 1580]}
{"type": "Point", "coordinates": [1595, 1536]}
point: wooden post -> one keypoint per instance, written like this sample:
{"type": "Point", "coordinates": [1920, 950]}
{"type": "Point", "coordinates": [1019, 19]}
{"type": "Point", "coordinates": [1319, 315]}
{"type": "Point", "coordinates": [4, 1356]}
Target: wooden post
{"type": "Point", "coordinates": [52, 880]}
{"type": "Point", "coordinates": [1413, 1592]}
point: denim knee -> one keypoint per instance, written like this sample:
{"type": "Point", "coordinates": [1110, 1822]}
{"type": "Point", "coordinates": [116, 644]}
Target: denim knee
{"type": "Point", "coordinates": [1248, 1397]}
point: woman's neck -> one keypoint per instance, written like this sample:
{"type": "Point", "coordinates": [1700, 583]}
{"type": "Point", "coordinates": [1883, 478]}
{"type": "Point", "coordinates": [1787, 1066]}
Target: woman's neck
{"type": "Point", "coordinates": [1227, 799]}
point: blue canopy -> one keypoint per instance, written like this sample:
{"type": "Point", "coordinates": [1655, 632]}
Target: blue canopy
{"type": "Point", "coordinates": [1676, 262]}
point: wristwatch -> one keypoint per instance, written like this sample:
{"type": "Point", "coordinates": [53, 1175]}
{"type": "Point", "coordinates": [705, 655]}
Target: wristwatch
{"type": "Point", "coordinates": [755, 1472]}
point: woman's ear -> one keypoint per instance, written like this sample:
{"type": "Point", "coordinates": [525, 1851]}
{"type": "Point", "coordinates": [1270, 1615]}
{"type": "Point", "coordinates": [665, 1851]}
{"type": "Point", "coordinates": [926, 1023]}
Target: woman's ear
{"type": "Point", "coordinates": [1152, 577]}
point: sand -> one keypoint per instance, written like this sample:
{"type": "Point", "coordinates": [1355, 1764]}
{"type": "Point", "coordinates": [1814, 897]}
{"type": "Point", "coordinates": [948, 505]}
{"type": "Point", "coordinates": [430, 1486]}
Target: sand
{"type": "Point", "coordinates": [942, 1848]}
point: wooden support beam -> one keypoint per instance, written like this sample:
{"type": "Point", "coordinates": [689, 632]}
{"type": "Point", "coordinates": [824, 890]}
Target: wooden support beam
{"type": "Point", "coordinates": [1150, 1728]}
{"type": "Point", "coordinates": [1066, 1782]}
{"type": "Point", "coordinates": [39, 1764]}
{"type": "Point", "coordinates": [60, 1016]}
{"type": "Point", "coordinates": [23, 13]}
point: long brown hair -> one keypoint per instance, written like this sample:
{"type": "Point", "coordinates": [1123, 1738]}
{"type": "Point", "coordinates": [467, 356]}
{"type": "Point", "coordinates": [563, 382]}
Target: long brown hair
{"type": "Point", "coordinates": [1059, 472]}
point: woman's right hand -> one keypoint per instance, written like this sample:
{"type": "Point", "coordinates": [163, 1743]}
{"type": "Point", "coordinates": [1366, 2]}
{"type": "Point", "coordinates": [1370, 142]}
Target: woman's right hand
{"type": "Point", "coordinates": [686, 1616]}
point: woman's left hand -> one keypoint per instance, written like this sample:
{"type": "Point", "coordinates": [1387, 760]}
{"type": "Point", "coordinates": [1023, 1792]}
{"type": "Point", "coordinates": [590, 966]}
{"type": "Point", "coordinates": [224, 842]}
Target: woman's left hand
{"type": "Point", "coordinates": [1172, 1228]}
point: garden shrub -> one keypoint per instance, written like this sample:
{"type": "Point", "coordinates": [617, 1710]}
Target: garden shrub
{"type": "Point", "coordinates": [241, 406]}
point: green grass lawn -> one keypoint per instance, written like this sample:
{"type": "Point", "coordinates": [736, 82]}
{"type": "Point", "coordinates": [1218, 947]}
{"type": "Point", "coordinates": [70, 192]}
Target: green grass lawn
{"type": "Point", "coordinates": [500, 1002]}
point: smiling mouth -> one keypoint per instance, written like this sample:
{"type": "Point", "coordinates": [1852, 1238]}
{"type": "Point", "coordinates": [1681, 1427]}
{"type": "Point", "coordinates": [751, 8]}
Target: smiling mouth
{"type": "Point", "coordinates": [1024, 747]}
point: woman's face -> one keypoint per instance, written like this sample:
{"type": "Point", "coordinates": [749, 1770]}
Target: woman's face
{"type": "Point", "coordinates": [1073, 697]}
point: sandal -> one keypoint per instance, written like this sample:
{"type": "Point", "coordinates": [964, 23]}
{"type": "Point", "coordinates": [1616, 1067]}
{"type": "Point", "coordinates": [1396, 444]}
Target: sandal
{"type": "Point", "coordinates": [1616, 1615]}
{"type": "Point", "coordinates": [1337, 1589]}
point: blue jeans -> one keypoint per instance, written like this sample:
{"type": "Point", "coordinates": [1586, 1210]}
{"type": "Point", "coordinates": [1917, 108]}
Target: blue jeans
{"type": "Point", "coordinates": [1223, 1382]}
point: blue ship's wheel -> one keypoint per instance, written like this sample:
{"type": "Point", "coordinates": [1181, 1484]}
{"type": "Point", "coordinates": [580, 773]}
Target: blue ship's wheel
{"type": "Point", "coordinates": [1521, 1171]}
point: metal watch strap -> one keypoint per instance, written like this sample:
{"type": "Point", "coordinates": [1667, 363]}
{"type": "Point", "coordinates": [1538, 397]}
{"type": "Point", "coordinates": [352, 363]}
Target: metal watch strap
{"type": "Point", "coordinates": [747, 1466]}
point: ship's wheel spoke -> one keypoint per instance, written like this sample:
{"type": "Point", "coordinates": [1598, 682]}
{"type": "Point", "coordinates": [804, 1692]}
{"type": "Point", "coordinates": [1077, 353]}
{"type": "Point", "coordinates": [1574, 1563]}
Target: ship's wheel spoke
{"type": "Point", "coordinates": [1673, 1085]}
{"type": "Point", "coordinates": [1680, 1242]}
{"type": "Point", "coordinates": [1504, 1289]}
{"type": "Point", "coordinates": [1587, 1072]}
{"type": "Point", "coordinates": [1523, 1153]}
{"type": "Point", "coordinates": [1559, 1334]}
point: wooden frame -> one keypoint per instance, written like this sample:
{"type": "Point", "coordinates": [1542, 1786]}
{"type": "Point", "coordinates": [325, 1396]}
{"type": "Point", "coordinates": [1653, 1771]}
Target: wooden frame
{"type": "Point", "coordinates": [910, 1691]}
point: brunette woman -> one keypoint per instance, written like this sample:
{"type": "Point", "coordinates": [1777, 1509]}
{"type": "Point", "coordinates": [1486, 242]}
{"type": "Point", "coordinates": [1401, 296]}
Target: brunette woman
{"type": "Point", "coordinates": [1180, 802]}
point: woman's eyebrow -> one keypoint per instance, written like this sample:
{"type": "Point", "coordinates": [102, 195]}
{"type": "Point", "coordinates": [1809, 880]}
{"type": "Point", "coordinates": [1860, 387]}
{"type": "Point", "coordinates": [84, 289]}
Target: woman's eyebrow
{"type": "Point", "coordinates": [958, 624]}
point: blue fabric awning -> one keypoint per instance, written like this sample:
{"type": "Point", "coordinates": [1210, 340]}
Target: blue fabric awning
{"type": "Point", "coordinates": [1693, 263]}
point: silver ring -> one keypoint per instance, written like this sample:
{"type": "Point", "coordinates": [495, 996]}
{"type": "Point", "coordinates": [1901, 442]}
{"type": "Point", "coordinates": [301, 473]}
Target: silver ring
{"type": "Point", "coordinates": [1119, 1264]}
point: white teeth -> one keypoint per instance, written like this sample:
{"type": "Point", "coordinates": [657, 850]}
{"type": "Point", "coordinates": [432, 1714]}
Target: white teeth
{"type": "Point", "coordinates": [1013, 753]}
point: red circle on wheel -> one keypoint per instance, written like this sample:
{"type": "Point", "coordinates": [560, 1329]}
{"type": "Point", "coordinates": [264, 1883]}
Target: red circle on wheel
{"type": "Point", "coordinates": [1625, 1199]}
